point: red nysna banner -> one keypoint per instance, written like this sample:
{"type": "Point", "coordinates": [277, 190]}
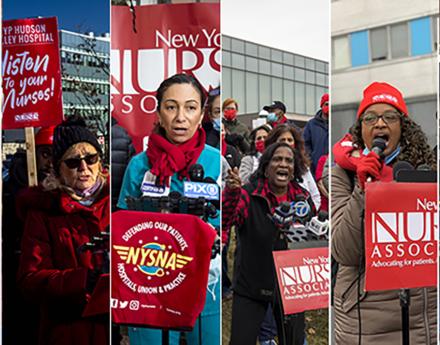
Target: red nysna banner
{"type": "Point", "coordinates": [169, 39]}
{"type": "Point", "coordinates": [303, 278]}
{"type": "Point", "coordinates": [160, 265]}
{"type": "Point", "coordinates": [31, 73]}
{"type": "Point", "coordinates": [401, 233]}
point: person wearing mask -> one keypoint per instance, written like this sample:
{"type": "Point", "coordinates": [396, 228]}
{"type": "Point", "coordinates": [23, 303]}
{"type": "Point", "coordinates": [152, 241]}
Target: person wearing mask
{"type": "Point", "coordinates": [59, 271]}
{"type": "Point", "coordinates": [15, 188]}
{"type": "Point", "coordinates": [316, 133]}
{"type": "Point", "coordinates": [212, 121]}
{"type": "Point", "coordinates": [277, 115]}
{"type": "Point", "coordinates": [289, 135]}
{"type": "Point", "coordinates": [382, 113]}
{"type": "Point", "coordinates": [178, 142]}
{"type": "Point", "coordinates": [249, 163]}
{"type": "Point", "coordinates": [237, 133]}
{"type": "Point", "coordinates": [247, 207]}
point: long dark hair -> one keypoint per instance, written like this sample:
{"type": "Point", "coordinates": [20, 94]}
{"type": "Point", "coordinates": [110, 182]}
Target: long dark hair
{"type": "Point", "coordinates": [267, 157]}
{"type": "Point", "coordinates": [414, 147]}
{"type": "Point", "coordinates": [302, 162]}
{"type": "Point", "coordinates": [180, 79]}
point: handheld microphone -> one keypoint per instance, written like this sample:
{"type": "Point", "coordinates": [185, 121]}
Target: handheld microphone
{"type": "Point", "coordinates": [197, 187]}
{"type": "Point", "coordinates": [378, 146]}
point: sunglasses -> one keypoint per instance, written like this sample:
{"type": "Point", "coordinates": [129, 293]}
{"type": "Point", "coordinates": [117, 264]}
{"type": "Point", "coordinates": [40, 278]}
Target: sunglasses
{"type": "Point", "coordinates": [75, 163]}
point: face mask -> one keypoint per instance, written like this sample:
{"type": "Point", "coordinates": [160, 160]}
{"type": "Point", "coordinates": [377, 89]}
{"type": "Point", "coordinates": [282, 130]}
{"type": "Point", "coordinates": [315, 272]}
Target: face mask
{"type": "Point", "coordinates": [216, 124]}
{"type": "Point", "coordinates": [272, 117]}
{"type": "Point", "coordinates": [259, 146]}
{"type": "Point", "coordinates": [325, 109]}
{"type": "Point", "coordinates": [230, 114]}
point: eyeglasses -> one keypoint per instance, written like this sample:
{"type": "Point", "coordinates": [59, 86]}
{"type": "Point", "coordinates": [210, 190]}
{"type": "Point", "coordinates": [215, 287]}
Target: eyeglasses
{"type": "Point", "coordinates": [388, 117]}
{"type": "Point", "coordinates": [75, 163]}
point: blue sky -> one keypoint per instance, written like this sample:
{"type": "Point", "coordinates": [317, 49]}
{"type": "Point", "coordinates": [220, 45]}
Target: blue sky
{"type": "Point", "coordinates": [73, 15]}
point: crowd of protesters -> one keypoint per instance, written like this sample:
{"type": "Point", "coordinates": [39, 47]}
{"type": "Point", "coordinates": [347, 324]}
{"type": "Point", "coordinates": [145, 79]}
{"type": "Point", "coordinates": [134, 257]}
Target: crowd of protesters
{"type": "Point", "coordinates": [279, 161]}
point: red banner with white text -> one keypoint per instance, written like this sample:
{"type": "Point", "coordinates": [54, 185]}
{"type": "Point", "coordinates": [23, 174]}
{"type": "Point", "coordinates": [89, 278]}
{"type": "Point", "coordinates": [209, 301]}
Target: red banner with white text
{"type": "Point", "coordinates": [162, 40]}
{"type": "Point", "coordinates": [31, 73]}
{"type": "Point", "coordinates": [160, 265]}
{"type": "Point", "coordinates": [401, 234]}
{"type": "Point", "coordinates": [303, 278]}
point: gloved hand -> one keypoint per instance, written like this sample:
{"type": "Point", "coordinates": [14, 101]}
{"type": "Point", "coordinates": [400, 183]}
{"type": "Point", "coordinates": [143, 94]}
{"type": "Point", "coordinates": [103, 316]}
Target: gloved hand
{"type": "Point", "coordinates": [368, 166]}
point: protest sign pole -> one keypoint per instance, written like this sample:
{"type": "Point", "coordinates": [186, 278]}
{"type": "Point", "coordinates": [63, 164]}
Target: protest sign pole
{"type": "Point", "coordinates": [404, 297]}
{"type": "Point", "coordinates": [31, 156]}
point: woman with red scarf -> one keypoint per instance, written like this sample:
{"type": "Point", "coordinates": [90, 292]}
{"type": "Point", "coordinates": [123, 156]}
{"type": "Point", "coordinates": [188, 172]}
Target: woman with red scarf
{"type": "Point", "coordinates": [176, 144]}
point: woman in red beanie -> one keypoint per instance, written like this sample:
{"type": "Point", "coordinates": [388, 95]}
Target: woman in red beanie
{"type": "Point", "coordinates": [374, 317]}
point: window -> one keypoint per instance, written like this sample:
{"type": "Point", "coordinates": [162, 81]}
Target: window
{"type": "Point", "coordinates": [226, 43]}
{"type": "Point", "coordinates": [251, 64]}
{"type": "Point", "coordinates": [420, 36]}
{"type": "Point", "coordinates": [300, 98]}
{"type": "Point", "coordinates": [237, 46]}
{"type": "Point", "coordinates": [226, 83]}
{"type": "Point", "coordinates": [238, 89]}
{"type": "Point", "coordinates": [310, 77]}
{"type": "Point", "coordinates": [300, 61]}
{"type": "Point", "coordinates": [277, 55]}
{"type": "Point", "coordinates": [359, 48]}
{"type": "Point", "coordinates": [288, 58]}
{"type": "Point", "coordinates": [310, 100]}
{"type": "Point", "coordinates": [264, 52]}
{"type": "Point", "coordinates": [300, 74]}
{"type": "Point", "coordinates": [264, 89]}
{"type": "Point", "coordinates": [378, 44]}
{"type": "Point", "coordinates": [341, 52]}
{"type": "Point", "coordinates": [226, 58]}
{"type": "Point", "coordinates": [277, 69]}
{"type": "Point", "coordinates": [237, 61]}
{"type": "Point", "coordinates": [277, 89]}
{"type": "Point", "coordinates": [320, 79]}
{"type": "Point", "coordinates": [252, 93]}
{"type": "Point", "coordinates": [310, 64]}
{"type": "Point", "coordinates": [288, 95]}
{"type": "Point", "coordinates": [399, 40]}
{"type": "Point", "coordinates": [264, 66]}
{"type": "Point", "coordinates": [320, 66]}
{"type": "Point", "coordinates": [288, 72]}
{"type": "Point", "coordinates": [251, 49]}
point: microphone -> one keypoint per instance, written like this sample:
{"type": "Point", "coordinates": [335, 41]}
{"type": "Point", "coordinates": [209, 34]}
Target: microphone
{"type": "Point", "coordinates": [319, 224]}
{"type": "Point", "coordinates": [196, 172]}
{"type": "Point", "coordinates": [399, 167]}
{"type": "Point", "coordinates": [378, 146]}
{"type": "Point", "coordinates": [283, 216]}
{"type": "Point", "coordinates": [302, 209]}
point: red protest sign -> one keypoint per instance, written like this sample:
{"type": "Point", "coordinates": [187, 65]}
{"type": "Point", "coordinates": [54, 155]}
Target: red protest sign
{"type": "Point", "coordinates": [170, 39]}
{"type": "Point", "coordinates": [303, 278]}
{"type": "Point", "coordinates": [160, 265]}
{"type": "Point", "coordinates": [400, 235]}
{"type": "Point", "coordinates": [31, 73]}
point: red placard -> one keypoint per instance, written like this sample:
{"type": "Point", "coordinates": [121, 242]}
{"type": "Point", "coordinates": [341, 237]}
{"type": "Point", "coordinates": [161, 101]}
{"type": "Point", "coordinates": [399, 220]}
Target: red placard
{"type": "Point", "coordinates": [160, 265]}
{"type": "Point", "coordinates": [170, 39]}
{"type": "Point", "coordinates": [400, 235]}
{"type": "Point", "coordinates": [303, 278]}
{"type": "Point", "coordinates": [31, 73]}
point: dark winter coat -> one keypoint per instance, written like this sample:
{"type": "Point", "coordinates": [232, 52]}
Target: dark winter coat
{"type": "Point", "coordinates": [122, 151]}
{"type": "Point", "coordinates": [316, 139]}
{"type": "Point", "coordinates": [247, 208]}
{"type": "Point", "coordinates": [53, 269]}
{"type": "Point", "coordinates": [212, 135]}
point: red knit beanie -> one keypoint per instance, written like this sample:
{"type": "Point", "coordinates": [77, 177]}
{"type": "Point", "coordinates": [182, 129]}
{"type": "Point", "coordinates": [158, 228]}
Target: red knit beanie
{"type": "Point", "coordinates": [382, 93]}
{"type": "Point", "coordinates": [324, 99]}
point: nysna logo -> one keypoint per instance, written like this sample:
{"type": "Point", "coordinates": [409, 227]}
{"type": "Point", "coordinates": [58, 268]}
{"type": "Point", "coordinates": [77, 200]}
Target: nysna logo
{"type": "Point", "coordinates": [400, 227]}
{"type": "Point", "coordinates": [153, 259]}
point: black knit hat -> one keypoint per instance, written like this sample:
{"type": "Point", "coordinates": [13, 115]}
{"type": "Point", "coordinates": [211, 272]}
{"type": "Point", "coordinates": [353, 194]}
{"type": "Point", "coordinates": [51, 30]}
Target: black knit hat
{"type": "Point", "coordinates": [69, 133]}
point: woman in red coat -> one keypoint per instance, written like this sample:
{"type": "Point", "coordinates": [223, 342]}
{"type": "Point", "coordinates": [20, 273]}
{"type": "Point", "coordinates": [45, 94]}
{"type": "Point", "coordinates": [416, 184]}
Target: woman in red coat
{"type": "Point", "coordinates": [63, 247]}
